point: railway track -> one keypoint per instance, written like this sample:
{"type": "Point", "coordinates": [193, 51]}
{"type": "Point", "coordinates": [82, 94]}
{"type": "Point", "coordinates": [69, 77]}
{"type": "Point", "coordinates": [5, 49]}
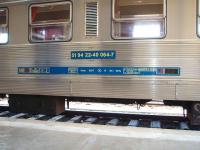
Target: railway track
{"type": "Point", "coordinates": [109, 119]}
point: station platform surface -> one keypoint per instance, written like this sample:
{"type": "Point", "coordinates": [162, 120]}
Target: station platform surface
{"type": "Point", "coordinates": [45, 135]}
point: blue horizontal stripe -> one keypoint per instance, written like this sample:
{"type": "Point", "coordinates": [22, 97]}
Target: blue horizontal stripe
{"type": "Point", "coordinates": [114, 71]}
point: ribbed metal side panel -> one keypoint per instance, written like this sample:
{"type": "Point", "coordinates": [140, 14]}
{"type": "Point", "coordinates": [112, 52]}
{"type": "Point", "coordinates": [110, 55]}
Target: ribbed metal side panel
{"type": "Point", "coordinates": [167, 53]}
{"type": "Point", "coordinates": [188, 92]}
{"type": "Point", "coordinates": [181, 48]}
{"type": "Point", "coordinates": [33, 86]}
{"type": "Point", "coordinates": [123, 89]}
{"type": "Point", "coordinates": [91, 19]}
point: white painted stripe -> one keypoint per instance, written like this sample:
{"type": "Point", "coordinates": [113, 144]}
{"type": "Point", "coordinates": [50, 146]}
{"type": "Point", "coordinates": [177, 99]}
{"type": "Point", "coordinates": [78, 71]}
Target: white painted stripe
{"type": "Point", "coordinates": [36, 117]}
{"type": "Point", "coordinates": [17, 115]}
{"type": "Point", "coordinates": [4, 113]}
{"type": "Point", "coordinates": [113, 122]}
{"type": "Point", "coordinates": [133, 123]}
{"type": "Point", "coordinates": [75, 119]}
{"type": "Point", "coordinates": [90, 120]}
{"type": "Point", "coordinates": [56, 118]}
{"type": "Point", "coordinates": [155, 124]}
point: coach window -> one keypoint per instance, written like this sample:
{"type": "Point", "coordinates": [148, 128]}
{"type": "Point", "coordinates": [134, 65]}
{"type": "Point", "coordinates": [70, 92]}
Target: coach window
{"type": "Point", "coordinates": [138, 19]}
{"type": "Point", "coordinates": [50, 22]}
{"type": "Point", "coordinates": [198, 26]}
{"type": "Point", "coordinates": [3, 25]}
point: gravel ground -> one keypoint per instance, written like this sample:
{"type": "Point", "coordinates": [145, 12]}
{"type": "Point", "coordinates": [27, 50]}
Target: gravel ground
{"type": "Point", "coordinates": [155, 108]}
{"type": "Point", "coordinates": [147, 109]}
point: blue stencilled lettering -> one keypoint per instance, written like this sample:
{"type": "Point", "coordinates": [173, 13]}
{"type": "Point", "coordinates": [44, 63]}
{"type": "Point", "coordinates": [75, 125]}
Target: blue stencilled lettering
{"type": "Point", "coordinates": [43, 70]}
{"type": "Point", "coordinates": [100, 70]}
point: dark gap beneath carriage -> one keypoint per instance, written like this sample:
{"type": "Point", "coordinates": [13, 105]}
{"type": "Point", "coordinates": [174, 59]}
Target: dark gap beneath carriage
{"type": "Point", "coordinates": [17, 104]}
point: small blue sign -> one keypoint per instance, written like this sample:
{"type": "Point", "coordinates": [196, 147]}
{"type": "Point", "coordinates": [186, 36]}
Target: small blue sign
{"type": "Point", "coordinates": [113, 71]}
{"type": "Point", "coordinates": [105, 54]}
{"type": "Point", "coordinates": [43, 70]}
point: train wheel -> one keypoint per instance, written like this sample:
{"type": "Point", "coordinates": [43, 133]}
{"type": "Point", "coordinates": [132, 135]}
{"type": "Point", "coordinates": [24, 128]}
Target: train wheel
{"type": "Point", "coordinates": [194, 114]}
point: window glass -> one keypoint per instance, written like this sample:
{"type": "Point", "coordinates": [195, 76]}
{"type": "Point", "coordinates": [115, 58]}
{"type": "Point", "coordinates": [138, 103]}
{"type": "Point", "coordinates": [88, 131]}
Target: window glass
{"type": "Point", "coordinates": [139, 29]}
{"type": "Point", "coordinates": [133, 19]}
{"type": "Point", "coordinates": [3, 26]}
{"type": "Point", "coordinates": [50, 13]}
{"type": "Point", "coordinates": [51, 33]}
{"type": "Point", "coordinates": [134, 8]}
{"type": "Point", "coordinates": [3, 16]}
{"type": "Point", "coordinates": [198, 26]}
{"type": "Point", "coordinates": [51, 22]}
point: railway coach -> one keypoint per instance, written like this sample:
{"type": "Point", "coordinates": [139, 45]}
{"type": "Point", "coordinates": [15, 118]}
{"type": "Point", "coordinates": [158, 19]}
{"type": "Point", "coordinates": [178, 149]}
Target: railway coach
{"type": "Point", "coordinates": [111, 50]}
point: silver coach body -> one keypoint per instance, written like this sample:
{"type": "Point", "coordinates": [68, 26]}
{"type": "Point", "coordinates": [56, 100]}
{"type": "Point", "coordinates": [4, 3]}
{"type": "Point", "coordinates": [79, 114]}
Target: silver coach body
{"type": "Point", "coordinates": [180, 47]}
